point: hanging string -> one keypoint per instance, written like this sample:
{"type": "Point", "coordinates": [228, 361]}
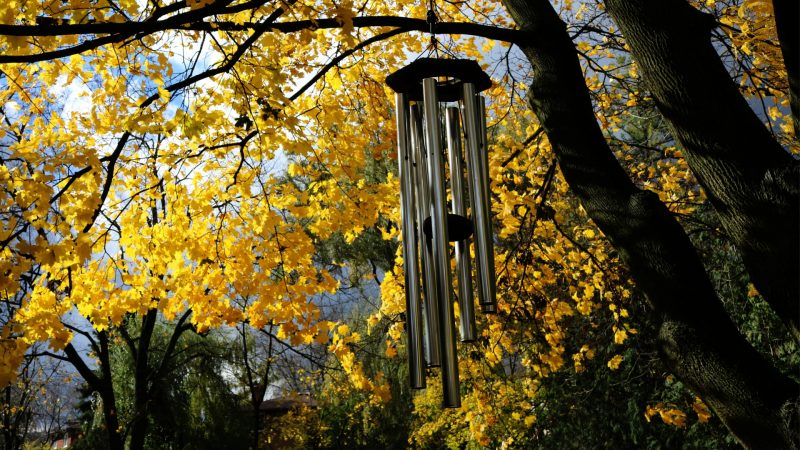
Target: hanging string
{"type": "Point", "coordinates": [432, 20]}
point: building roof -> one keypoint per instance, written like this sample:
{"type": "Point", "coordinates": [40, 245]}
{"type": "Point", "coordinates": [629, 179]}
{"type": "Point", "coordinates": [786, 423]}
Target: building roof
{"type": "Point", "coordinates": [284, 404]}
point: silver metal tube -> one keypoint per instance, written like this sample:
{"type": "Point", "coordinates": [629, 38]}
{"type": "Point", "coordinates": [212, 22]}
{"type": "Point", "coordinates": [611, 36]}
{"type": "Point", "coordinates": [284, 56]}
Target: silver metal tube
{"type": "Point", "coordinates": [478, 199]}
{"type": "Point", "coordinates": [466, 302]}
{"type": "Point", "coordinates": [490, 306]}
{"type": "Point", "coordinates": [433, 138]}
{"type": "Point", "coordinates": [423, 202]}
{"type": "Point", "coordinates": [416, 363]}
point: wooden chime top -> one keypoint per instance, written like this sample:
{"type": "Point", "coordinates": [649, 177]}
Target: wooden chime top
{"type": "Point", "coordinates": [408, 80]}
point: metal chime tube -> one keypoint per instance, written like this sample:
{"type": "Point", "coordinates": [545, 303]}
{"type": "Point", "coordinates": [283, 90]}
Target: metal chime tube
{"type": "Point", "coordinates": [423, 203]}
{"type": "Point", "coordinates": [463, 266]}
{"type": "Point", "coordinates": [416, 363]}
{"type": "Point", "coordinates": [433, 138]}
{"type": "Point", "coordinates": [489, 306]}
{"type": "Point", "coordinates": [479, 198]}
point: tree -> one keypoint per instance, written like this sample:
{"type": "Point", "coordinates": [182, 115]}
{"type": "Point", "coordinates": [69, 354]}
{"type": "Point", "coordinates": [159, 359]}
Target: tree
{"type": "Point", "coordinates": [699, 343]}
{"type": "Point", "coordinates": [197, 408]}
{"type": "Point", "coordinates": [37, 406]}
{"type": "Point", "coordinates": [201, 132]}
{"type": "Point", "coordinates": [134, 361]}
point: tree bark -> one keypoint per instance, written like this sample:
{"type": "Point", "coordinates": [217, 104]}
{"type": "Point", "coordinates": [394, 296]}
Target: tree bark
{"type": "Point", "coordinates": [101, 384]}
{"type": "Point", "coordinates": [753, 183]}
{"type": "Point", "coordinates": [787, 17]}
{"type": "Point", "coordinates": [142, 382]}
{"type": "Point", "coordinates": [697, 339]}
{"type": "Point", "coordinates": [104, 385]}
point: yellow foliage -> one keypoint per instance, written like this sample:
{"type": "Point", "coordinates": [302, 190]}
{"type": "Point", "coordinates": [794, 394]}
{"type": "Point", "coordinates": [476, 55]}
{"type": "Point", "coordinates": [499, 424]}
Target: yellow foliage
{"type": "Point", "coordinates": [614, 362]}
{"type": "Point", "coordinates": [702, 411]}
{"type": "Point", "coordinates": [668, 414]}
{"type": "Point", "coordinates": [12, 351]}
{"type": "Point", "coordinates": [212, 214]}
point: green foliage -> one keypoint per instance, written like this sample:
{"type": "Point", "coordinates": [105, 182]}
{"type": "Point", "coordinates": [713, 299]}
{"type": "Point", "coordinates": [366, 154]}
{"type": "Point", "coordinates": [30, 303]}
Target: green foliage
{"type": "Point", "coordinates": [348, 418]}
{"type": "Point", "coordinates": [197, 411]}
{"type": "Point", "coordinates": [753, 316]}
{"type": "Point", "coordinates": [193, 407]}
{"type": "Point", "coordinates": [36, 446]}
{"type": "Point", "coordinates": [600, 408]}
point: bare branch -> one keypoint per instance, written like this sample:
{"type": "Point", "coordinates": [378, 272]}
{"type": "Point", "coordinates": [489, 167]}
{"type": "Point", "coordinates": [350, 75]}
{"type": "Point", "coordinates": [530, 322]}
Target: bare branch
{"type": "Point", "coordinates": [123, 31]}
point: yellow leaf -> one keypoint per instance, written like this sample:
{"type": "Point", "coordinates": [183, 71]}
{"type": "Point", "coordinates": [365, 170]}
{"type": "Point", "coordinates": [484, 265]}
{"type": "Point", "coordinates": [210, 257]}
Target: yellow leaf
{"type": "Point", "coordinates": [614, 362]}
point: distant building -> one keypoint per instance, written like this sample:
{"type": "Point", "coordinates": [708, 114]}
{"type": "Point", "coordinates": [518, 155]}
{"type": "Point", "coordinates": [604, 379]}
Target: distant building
{"type": "Point", "coordinates": [282, 405]}
{"type": "Point", "coordinates": [66, 438]}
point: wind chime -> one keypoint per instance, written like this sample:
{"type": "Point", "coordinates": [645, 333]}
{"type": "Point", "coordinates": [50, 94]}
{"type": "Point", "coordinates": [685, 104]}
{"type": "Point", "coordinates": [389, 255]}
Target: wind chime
{"type": "Point", "coordinates": [440, 112]}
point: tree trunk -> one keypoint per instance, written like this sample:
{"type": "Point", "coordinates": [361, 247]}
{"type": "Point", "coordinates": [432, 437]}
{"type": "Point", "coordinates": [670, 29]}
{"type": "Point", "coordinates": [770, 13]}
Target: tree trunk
{"type": "Point", "coordinates": [256, 425]}
{"type": "Point", "coordinates": [697, 339]}
{"type": "Point", "coordinates": [142, 375]}
{"type": "Point", "coordinates": [111, 420]}
{"type": "Point", "coordinates": [753, 183]}
{"type": "Point", "coordinates": [105, 387]}
{"type": "Point", "coordinates": [8, 432]}
{"type": "Point", "coordinates": [787, 17]}
{"type": "Point", "coordinates": [101, 384]}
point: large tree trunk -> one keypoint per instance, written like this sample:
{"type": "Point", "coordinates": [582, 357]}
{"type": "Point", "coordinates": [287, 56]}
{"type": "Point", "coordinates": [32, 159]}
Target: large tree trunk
{"type": "Point", "coordinates": [105, 387]}
{"type": "Point", "coordinates": [753, 183]}
{"type": "Point", "coordinates": [787, 18]}
{"type": "Point", "coordinates": [101, 384]}
{"type": "Point", "coordinates": [142, 381]}
{"type": "Point", "coordinates": [698, 341]}
{"type": "Point", "coordinates": [115, 441]}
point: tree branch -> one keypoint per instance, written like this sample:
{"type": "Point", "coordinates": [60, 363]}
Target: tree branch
{"type": "Point", "coordinates": [335, 61]}
{"type": "Point", "coordinates": [125, 30]}
{"type": "Point", "coordinates": [306, 356]}
{"type": "Point", "coordinates": [180, 327]}
{"type": "Point", "coordinates": [80, 365]}
{"type": "Point", "coordinates": [528, 141]}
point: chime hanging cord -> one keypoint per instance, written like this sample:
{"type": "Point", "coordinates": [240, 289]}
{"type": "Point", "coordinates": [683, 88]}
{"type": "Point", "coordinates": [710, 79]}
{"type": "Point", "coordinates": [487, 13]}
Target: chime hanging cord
{"type": "Point", "coordinates": [432, 20]}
